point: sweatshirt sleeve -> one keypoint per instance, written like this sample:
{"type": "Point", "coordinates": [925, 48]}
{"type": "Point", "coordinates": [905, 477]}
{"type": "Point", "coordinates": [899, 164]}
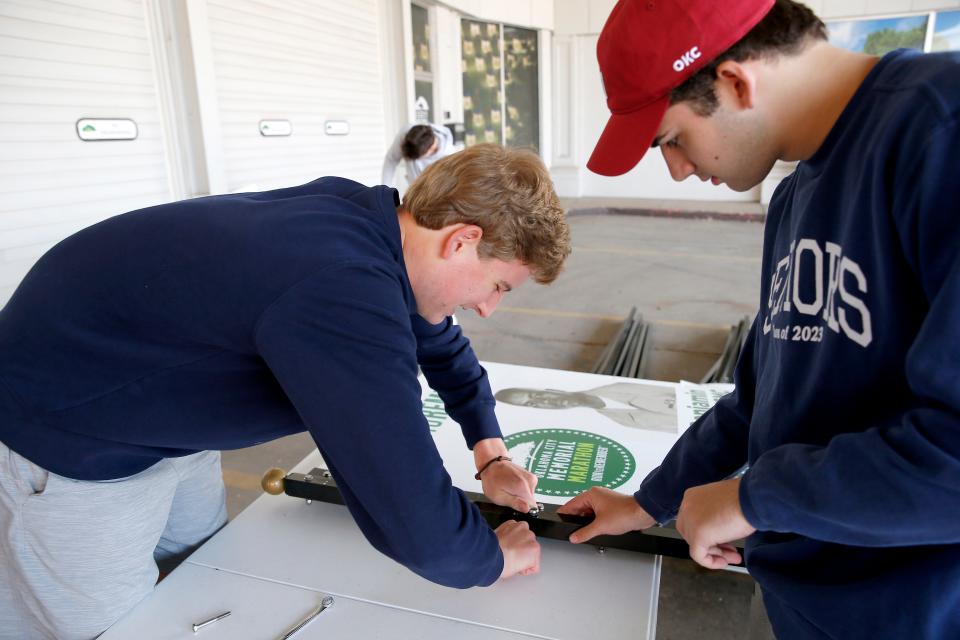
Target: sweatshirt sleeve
{"type": "Point", "coordinates": [445, 145]}
{"type": "Point", "coordinates": [341, 346]}
{"type": "Point", "coordinates": [897, 483]}
{"type": "Point", "coordinates": [712, 448]}
{"type": "Point", "coordinates": [452, 370]}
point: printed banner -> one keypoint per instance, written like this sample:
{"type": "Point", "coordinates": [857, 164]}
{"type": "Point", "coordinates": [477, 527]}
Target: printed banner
{"type": "Point", "coordinates": [575, 430]}
{"type": "Point", "coordinates": [568, 462]}
{"type": "Point", "coordinates": [693, 400]}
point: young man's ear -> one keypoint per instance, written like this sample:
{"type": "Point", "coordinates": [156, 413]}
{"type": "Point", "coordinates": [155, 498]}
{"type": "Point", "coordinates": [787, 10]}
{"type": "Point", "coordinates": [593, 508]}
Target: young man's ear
{"type": "Point", "coordinates": [461, 237]}
{"type": "Point", "coordinates": [738, 82]}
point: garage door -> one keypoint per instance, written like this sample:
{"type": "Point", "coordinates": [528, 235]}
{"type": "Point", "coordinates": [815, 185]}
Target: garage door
{"type": "Point", "coordinates": [61, 62]}
{"type": "Point", "coordinates": [284, 71]}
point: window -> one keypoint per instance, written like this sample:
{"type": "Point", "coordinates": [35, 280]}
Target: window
{"type": "Point", "coordinates": [422, 67]}
{"type": "Point", "coordinates": [929, 31]}
{"type": "Point", "coordinates": [521, 82]}
{"type": "Point", "coordinates": [879, 36]}
{"type": "Point", "coordinates": [946, 33]}
{"type": "Point", "coordinates": [501, 98]}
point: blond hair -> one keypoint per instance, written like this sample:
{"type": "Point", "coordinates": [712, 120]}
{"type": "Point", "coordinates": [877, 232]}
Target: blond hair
{"type": "Point", "coordinates": [507, 193]}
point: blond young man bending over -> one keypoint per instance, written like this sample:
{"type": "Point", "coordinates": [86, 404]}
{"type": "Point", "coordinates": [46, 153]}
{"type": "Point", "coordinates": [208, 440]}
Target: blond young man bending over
{"type": "Point", "coordinates": [138, 348]}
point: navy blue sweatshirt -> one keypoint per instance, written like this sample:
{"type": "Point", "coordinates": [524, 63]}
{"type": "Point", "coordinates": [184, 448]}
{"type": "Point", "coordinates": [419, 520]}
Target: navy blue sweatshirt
{"type": "Point", "coordinates": [847, 400]}
{"type": "Point", "coordinates": [227, 321]}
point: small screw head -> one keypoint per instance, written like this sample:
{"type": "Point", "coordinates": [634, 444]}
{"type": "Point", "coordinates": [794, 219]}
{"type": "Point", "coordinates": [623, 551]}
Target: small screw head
{"type": "Point", "coordinates": [601, 550]}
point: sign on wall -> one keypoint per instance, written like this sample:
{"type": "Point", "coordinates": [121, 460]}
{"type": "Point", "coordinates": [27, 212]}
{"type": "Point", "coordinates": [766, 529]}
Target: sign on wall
{"type": "Point", "coordinates": [270, 128]}
{"type": "Point", "coordinates": [96, 129]}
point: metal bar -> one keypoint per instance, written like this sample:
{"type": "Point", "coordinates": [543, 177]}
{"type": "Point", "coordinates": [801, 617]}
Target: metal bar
{"type": "Point", "coordinates": [747, 322]}
{"type": "Point", "coordinates": [631, 350]}
{"type": "Point", "coordinates": [717, 370]}
{"type": "Point", "coordinates": [606, 366]}
{"type": "Point", "coordinates": [604, 360]}
{"type": "Point", "coordinates": [665, 541]}
{"type": "Point", "coordinates": [604, 356]}
{"type": "Point", "coordinates": [633, 368]}
{"type": "Point", "coordinates": [644, 354]}
{"type": "Point", "coordinates": [725, 356]}
{"type": "Point", "coordinates": [622, 356]}
{"type": "Point", "coordinates": [711, 373]}
{"type": "Point", "coordinates": [733, 352]}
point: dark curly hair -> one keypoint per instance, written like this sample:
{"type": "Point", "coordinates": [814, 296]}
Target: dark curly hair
{"type": "Point", "coordinates": [417, 141]}
{"type": "Point", "coordinates": [785, 30]}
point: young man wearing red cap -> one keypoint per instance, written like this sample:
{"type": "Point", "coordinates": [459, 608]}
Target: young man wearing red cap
{"type": "Point", "coordinates": [847, 400]}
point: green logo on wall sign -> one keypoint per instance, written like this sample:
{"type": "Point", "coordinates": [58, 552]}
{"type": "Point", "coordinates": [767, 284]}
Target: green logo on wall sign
{"type": "Point", "coordinates": [567, 462]}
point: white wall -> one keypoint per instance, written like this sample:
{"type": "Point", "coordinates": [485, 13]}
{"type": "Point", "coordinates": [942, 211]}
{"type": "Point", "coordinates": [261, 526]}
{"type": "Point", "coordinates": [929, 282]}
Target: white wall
{"type": "Point", "coordinates": [196, 76]}
{"type": "Point", "coordinates": [580, 112]}
{"type": "Point", "coordinates": [447, 68]}
{"type": "Point", "coordinates": [307, 63]}
{"type": "Point", "coordinates": [532, 14]}
{"type": "Point", "coordinates": [61, 61]}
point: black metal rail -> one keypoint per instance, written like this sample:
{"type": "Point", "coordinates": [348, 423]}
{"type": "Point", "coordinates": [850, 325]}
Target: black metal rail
{"type": "Point", "coordinates": [319, 485]}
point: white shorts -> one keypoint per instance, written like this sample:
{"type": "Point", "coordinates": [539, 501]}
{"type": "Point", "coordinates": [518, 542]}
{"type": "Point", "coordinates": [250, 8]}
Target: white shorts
{"type": "Point", "coordinates": [77, 555]}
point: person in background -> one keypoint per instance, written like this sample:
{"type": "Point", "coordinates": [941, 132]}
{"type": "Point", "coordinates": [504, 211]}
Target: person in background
{"type": "Point", "coordinates": [417, 146]}
{"type": "Point", "coordinates": [847, 398]}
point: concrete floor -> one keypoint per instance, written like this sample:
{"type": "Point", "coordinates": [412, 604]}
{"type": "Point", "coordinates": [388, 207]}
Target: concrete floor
{"type": "Point", "coordinates": [690, 278]}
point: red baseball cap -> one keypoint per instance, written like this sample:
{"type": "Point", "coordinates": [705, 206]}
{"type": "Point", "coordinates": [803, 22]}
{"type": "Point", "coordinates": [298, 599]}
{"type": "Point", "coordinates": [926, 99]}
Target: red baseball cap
{"type": "Point", "coordinates": [648, 48]}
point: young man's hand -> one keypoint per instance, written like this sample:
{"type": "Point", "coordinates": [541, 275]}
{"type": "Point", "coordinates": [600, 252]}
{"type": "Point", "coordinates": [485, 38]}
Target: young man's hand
{"type": "Point", "coordinates": [615, 514]}
{"type": "Point", "coordinates": [710, 518]}
{"type": "Point", "coordinates": [504, 483]}
{"type": "Point", "coordinates": [521, 551]}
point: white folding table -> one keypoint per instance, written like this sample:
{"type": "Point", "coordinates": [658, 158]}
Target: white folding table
{"type": "Point", "coordinates": [275, 562]}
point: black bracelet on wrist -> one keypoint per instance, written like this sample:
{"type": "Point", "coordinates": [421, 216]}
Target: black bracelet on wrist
{"type": "Point", "coordinates": [490, 462]}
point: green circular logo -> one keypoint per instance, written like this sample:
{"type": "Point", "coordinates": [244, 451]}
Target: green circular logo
{"type": "Point", "coordinates": [568, 462]}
